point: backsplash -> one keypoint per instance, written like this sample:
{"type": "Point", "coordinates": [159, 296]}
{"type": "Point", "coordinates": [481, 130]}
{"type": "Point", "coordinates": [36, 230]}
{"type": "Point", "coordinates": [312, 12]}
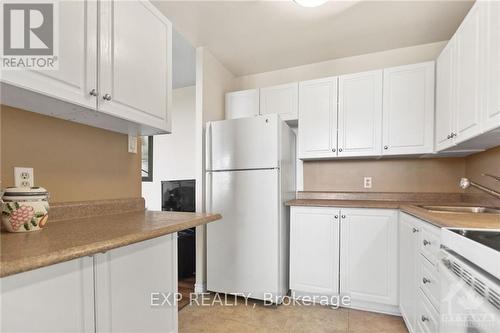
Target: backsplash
{"type": "Point", "coordinates": [402, 175]}
{"type": "Point", "coordinates": [74, 162]}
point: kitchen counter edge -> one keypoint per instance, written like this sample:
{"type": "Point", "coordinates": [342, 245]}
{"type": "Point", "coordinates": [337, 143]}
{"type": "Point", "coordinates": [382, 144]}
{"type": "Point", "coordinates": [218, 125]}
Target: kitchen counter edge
{"type": "Point", "coordinates": [14, 266]}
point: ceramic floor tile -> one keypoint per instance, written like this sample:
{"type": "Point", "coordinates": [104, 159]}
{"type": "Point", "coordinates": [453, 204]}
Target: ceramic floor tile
{"type": "Point", "coordinates": [254, 317]}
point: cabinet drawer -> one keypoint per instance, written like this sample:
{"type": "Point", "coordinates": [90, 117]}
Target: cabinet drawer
{"type": "Point", "coordinates": [427, 316]}
{"type": "Point", "coordinates": [429, 244]}
{"type": "Point", "coordinates": [429, 281]}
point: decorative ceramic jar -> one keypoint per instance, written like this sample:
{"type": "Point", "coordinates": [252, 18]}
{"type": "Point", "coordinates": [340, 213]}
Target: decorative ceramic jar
{"type": "Point", "coordinates": [25, 209]}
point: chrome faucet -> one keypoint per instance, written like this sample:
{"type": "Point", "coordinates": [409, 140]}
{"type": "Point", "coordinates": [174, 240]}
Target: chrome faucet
{"type": "Point", "coordinates": [492, 176]}
{"type": "Point", "coordinates": [465, 183]}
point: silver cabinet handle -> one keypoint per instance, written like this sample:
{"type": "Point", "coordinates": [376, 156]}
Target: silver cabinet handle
{"type": "Point", "coordinates": [334, 150]}
{"type": "Point", "coordinates": [336, 216]}
{"type": "Point", "coordinates": [343, 216]}
{"type": "Point", "coordinates": [424, 318]}
{"type": "Point", "coordinates": [386, 147]}
{"type": "Point", "coordinates": [340, 149]}
{"type": "Point", "coordinates": [426, 242]}
{"type": "Point", "coordinates": [426, 280]}
{"type": "Point", "coordinates": [106, 97]}
{"type": "Point", "coordinates": [93, 92]}
{"type": "Point", "coordinates": [415, 230]}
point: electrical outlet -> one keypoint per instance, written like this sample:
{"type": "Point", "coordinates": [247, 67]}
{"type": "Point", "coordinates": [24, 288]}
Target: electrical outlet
{"type": "Point", "coordinates": [132, 144]}
{"type": "Point", "coordinates": [23, 177]}
{"type": "Point", "coordinates": [368, 182]}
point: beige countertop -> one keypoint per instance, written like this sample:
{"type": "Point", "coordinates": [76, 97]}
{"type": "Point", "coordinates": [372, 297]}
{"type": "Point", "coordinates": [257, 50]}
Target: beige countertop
{"type": "Point", "coordinates": [439, 219]}
{"type": "Point", "coordinates": [73, 238]}
{"type": "Point", "coordinates": [454, 220]}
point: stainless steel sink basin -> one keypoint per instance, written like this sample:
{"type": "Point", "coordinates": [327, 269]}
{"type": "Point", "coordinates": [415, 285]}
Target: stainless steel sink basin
{"type": "Point", "coordinates": [462, 209]}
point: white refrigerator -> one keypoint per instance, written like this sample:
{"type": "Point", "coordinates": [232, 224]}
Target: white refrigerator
{"type": "Point", "coordinates": [250, 165]}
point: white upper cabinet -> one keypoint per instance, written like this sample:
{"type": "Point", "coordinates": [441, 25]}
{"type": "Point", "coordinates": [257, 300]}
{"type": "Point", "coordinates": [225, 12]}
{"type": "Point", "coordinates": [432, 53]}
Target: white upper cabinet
{"type": "Point", "coordinates": [492, 110]}
{"type": "Point", "coordinates": [77, 58]}
{"type": "Point", "coordinates": [360, 114]}
{"type": "Point", "coordinates": [282, 99]}
{"type": "Point", "coordinates": [468, 75]}
{"type": "Point", "coordinates": [317, 135]}
{"type": "Point", "coordinates": [135, 67]}
{"type": "Point", "coordinates": [468, 83]}
{"type": "Point", "coordinates": [408, 113]}
{"type": "Point", "coordinates": [314, 250]}
{"type": "Point", "coordinates": [129, 81]}
{"type": "Point", "coordinates": [445, 97]}
{"type": "Point", "coordinates": [369, 257]}
{"type": "Point", "coordinates": [241, 104]}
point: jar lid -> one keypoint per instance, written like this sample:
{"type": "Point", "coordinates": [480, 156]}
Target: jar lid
{"type": "Point", "coordinates": [25, 191]}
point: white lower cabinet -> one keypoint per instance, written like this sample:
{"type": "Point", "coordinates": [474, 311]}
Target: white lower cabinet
{"type": "Point", "coordinates": [349, 252]}
{"type": "Point", "coordinates": [57, 298]}
{"type": "Point", "coordinates": [408, 255]}
{"type": "Point", "coordinates": [419, 285]}
{"type": "Point", "coordinates": [125, 279]}
{"type": "Point", "coordinates": [368, 258]}
{"type": "Point", "coordinates": [314, 250]}
{"type": "Point", "coordinates": [110, 292]}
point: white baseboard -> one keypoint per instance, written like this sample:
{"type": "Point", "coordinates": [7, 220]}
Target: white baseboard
{"type": "Point", "coordinates": [200, 288]}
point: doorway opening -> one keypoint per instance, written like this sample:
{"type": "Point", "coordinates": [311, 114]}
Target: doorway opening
{"type": "Point", "coordinates": [180, 196]}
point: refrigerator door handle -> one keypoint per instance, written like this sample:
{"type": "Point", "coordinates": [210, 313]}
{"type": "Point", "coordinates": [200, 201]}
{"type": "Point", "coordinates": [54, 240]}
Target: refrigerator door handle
{"type": "Point", "coordinates": [208, 147]}
{"type": "Point", "coordinates": [208, 192]}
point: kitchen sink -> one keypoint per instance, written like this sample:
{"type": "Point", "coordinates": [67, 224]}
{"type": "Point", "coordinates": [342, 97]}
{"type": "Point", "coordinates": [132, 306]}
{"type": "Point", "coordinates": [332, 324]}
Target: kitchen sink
{"type": "Point", "coordinates": [462, 209]}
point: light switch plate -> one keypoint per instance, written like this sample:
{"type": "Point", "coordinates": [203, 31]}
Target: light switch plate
{"type": "Point", "coordinates": [132, 144]}
{"type": "Point", "coordinates": [23, 177]}
{"type": "Point", "coordinates": [368, 182]}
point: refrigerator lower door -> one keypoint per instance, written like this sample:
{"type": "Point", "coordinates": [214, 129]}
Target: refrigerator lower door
{"type": "Point", "coordinates": [245, 143]}
{"type": "Point", "coordinates": [243, 248]}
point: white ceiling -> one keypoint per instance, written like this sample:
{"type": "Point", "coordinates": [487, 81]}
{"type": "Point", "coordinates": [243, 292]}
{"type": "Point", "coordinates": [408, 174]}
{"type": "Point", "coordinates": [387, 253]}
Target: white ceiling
{"type": "Point", "coordinates": [256, 36]}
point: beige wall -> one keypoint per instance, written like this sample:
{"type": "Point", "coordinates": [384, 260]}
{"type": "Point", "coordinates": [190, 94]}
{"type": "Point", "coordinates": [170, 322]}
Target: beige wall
{"type": "Point", "coordinates": [73, 161]}
{"type": "Point", "coordinates": [485, 162]}
{"type": "Point", "coordinates": [394, 175]}
{"type": "Point", "coordinates": [402, 175]}
{"type": "Point", "coordinates": [395, 57]}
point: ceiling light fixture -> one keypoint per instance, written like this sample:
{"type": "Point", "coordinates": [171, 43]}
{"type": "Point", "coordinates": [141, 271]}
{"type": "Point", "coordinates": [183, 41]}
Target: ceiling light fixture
{"type": "Point", "coordinates": [310, 3]}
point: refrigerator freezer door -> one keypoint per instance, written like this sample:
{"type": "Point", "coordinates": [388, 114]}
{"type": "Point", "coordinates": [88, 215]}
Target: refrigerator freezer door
{"type": "Point", "coordinates": [243, 247]}
{"type": "Point", "coordinates": [241, 144]}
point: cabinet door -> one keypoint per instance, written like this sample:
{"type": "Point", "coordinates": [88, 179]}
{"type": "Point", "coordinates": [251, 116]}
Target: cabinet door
{"type": "Point", "coordinates": [77, 58]}
{"type": "Point", "coordinates": [282, 99]}
{"type": "Point", "coordinates": [125, 280]}
{"type": "Point", "coordinates": [445, 97]}
{"type": "Point", "coordinates": [57, 298]}
{"type": "Point", "coordinates": [468, 79]}
{"type": "Point", "coordinates": [492, 70]}
{"type": "Point", "coordinates": [408, 256]}
{"type": "Point", "coordinates": [409, 109]}
{"type": "Point", "coordinates": [368, 256]}
{"type": "Point", "coordinates": [318, 118]}
{"type": "Point", "coordinates": [135, 64]}
{"type": "Point", "coordinates": [360, 114]}
{"type": "Point", "coordinates": [242, 104]}
{"type": "Point", "coordinates": [314, 250]}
